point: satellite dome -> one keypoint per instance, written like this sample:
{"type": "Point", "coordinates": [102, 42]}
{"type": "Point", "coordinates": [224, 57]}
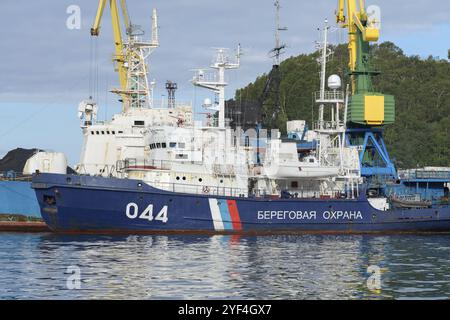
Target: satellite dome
{"type": "Point", "coordinates": [207, 103]}
{"type": "Point", "coordinates": [334, 82]}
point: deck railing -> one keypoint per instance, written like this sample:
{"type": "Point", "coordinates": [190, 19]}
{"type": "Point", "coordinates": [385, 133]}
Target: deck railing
{"type": "Point", "coordinates": [200, 189]}
{"type": "Point", "coordinates": [425, 174]}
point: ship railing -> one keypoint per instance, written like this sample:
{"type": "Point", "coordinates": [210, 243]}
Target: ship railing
{"type": "Point", "coordinates": [164, 104]}
{"type": "Point", "coordinates": [105, 170]}
{"type": "Point", "coordinates": [329, 97]}
{"type": "Point", "coordinates": [316, 194]}
{"type": "Point", "coordinates": [425, 175]}
{"type": "Point", "coordinates": [137, 164]}
{"type": "Point", "coordinates": [200, 189]}
{"type": "Point", "coordinates": [14, 176]}
{"type": "Point", "coordinates": [328, 125]}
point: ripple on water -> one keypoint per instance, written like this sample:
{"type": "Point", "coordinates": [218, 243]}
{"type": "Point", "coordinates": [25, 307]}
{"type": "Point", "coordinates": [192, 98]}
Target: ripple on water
{"type": "Point", "coordinates": [223, 267]}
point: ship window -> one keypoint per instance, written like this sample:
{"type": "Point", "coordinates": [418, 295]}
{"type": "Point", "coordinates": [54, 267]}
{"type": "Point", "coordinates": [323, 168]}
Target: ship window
{"type": "Point", "coordinates": [247, 141]}
{"type": "Point", "coordinates": [107, 132]}
{"type": "Point", "coordinates": [113, 132]}
{"type": "Point", "coordinates": [311, 160]}
{"type": "Point", "coordinates": [139, 123]}
{"type": "Point", "coordinates": [158, 145]}
{"type": "Point", "coordinates": [184, 178]}
{"type": "Point", "coordinates": [103, 132]}
{"type": "Point", "coordinates": [120, 131]}
{"type": "Point", "coordinates": [294, 184]}
{"type": "Point", "coordinates": [181, 145]}
{"type": "Point", "coordinates": [152, 146]}
{"type": "Point", "coordinates": [164, 145]}
{"type": "Point", "coordinates": [172, 144]}
{"type": "Point", "coordinates": [200, 180]}
{"type": "Point", "coordinates": [92, 132]}
{"type": "Point", "coordinates": [178, 178]}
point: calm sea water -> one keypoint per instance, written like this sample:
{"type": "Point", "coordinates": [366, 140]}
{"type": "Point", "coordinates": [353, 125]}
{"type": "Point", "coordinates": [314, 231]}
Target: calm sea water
{"type": "Point", "coordinates": [46, 266]}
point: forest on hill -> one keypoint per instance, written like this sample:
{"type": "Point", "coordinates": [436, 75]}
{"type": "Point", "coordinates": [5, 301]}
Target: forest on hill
{"type": "Point", "coordinates": [421, 133]}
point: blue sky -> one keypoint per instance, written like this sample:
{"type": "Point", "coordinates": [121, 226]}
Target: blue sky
{"type": "Point", "coordinates": [45, 66]}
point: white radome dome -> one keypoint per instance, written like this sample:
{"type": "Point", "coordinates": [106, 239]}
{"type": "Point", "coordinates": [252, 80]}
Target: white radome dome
{"type": "Point", "coordinates": [207, 103]}
{"type": "Point", "coordinates": [334, 82]}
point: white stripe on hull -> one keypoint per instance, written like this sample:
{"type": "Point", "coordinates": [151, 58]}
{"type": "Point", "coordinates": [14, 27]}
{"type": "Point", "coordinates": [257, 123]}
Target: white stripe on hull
{"type": "Point", "coordinates": [216, 216]}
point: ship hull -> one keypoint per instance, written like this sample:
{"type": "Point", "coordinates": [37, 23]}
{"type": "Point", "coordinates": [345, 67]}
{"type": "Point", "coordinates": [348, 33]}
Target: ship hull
{"type": "Point", "coordinates": [84, 204]}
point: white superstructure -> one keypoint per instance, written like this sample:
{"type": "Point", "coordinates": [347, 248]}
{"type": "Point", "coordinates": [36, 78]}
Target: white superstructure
{"type": "Point", "coordinates": [167, 149]}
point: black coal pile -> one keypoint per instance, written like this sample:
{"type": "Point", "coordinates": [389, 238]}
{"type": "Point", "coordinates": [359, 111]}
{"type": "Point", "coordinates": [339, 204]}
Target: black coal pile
{"type": "Point", "coordinates": [15, 159]}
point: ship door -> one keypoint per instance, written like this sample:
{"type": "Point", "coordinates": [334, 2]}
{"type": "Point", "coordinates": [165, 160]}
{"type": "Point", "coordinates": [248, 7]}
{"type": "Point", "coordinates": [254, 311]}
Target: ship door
{"type": "Point", "coordinates": [46, 165]}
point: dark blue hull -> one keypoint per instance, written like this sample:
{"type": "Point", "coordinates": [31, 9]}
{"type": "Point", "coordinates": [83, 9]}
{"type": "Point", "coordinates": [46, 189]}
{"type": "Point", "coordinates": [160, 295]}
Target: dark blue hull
{"type": "Point", "coordinates": [107, 205]}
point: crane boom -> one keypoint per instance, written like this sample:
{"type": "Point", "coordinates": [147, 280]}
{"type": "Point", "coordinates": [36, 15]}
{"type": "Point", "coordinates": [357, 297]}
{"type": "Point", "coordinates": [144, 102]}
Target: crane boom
{"type": "Point", "coordinates": [118, 42]}
{"type": "Point", "coordinates": [367, 107]}
{"type": "Point", "coordinates": [356, 21]}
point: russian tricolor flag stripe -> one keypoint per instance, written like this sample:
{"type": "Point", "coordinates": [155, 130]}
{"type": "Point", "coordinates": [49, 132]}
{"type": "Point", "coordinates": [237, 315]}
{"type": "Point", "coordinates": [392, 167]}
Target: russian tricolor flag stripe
{"type": "Point", "coordinates": [225, 215]}
{"type": "Point", "coordinates": [216, 216]}
{"type": "Point", "coordinates": [234, 213]}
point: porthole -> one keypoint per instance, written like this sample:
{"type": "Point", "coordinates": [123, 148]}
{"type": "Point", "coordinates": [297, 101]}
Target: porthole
{"type": "Point", "coordinates": [200, 180]}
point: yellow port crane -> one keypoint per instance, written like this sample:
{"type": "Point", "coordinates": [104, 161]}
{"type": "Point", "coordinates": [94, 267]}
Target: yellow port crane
{"type": "Point", "coordinates": [356, 21]}
{"type": "Point", "coordinates": [130, 55]}
{"type": "Point", "coordinates": [119, 56]}
{"type": "Point", "coordinates": [366, 107]}
{"type": "Point", "coordinates": [368, 111]}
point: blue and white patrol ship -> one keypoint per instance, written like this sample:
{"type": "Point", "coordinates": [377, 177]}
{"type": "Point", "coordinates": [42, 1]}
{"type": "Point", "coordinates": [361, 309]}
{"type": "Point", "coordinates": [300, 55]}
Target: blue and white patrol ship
{"type": "Point", "coordinates": [168, 173]}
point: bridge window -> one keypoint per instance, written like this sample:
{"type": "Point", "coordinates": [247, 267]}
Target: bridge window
{"type": "Point", "coordinates": [139, 123]}
{"type": "Point", "coordinates": [247, 141]}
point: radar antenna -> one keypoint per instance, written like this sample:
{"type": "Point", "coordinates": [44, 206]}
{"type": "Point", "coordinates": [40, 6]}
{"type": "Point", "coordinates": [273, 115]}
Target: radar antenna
{"type": "Point", "coordinates": [279, 47]}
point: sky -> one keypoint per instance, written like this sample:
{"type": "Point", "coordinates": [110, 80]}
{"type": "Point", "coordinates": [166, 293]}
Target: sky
{"type": "Point", "coordinates": [45, 66]}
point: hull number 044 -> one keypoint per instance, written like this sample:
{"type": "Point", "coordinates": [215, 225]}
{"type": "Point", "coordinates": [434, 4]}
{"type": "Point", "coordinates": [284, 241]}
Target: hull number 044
{"type": "Point", "coordinates": [133, 212]}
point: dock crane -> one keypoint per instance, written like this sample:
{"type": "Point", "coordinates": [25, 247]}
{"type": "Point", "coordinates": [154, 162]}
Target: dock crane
{"type": "Point", "coordinates": [368, 111]}
{"type": "Point", "coordinates": [119, 56]}
{"type": "Point", "coordinates": [130, 54]}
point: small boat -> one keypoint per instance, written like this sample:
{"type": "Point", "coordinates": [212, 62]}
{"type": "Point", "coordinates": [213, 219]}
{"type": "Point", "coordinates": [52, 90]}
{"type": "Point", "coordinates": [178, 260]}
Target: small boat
{"type": "Point", "coordinates": [405, 202]}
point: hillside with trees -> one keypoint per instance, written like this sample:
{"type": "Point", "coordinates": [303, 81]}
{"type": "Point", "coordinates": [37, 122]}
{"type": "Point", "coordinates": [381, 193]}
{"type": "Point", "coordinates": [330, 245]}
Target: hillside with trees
{"type": "Point", "coordinates": [421, 133]}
